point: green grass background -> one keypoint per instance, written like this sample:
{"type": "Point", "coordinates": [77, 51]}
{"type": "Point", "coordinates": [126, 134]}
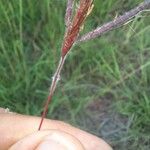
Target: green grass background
{"type": "Point", "coordinates": [114, 67]}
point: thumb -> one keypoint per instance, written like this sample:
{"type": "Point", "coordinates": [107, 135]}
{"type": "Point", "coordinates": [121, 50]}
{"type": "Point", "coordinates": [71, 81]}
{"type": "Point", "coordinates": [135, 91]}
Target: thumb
{"type": "Point", "coordinates": [48, 139]}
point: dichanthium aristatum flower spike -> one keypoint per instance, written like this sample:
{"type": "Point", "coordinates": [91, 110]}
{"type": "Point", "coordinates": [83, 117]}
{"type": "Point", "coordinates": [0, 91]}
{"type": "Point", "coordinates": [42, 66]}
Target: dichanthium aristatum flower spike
{"type": "Point", "coordinates": [74, 25]}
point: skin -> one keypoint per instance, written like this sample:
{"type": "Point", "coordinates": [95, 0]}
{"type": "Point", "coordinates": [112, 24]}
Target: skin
{"type": "Point", "coordinates": [19, 132]}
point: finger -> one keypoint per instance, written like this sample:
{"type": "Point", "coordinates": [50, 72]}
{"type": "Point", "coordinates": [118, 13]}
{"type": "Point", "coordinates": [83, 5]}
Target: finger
{"type": "Point", "coordinates": [14, 127]}
{"type": "Point", "coordinates": [48, 139]}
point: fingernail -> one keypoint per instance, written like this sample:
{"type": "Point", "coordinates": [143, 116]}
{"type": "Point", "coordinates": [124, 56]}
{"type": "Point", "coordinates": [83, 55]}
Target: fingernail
{"type": "Point", "coordinates": [50, 145]}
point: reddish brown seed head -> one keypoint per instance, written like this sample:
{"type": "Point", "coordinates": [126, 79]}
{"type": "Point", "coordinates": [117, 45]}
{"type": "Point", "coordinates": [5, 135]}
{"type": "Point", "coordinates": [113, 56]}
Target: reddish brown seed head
{"type": "Point", "coordinates": [77, 22]}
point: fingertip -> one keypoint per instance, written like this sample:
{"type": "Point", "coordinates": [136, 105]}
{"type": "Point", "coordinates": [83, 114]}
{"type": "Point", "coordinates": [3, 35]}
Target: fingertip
{"type": "Point", "coordinates": [48, 139]}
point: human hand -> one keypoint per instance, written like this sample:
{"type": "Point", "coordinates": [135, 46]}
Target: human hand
{"type": "Point", "coordinates": [19, 132]}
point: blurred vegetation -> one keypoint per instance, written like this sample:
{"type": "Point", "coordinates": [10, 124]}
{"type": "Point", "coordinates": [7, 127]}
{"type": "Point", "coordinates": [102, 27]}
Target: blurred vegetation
{"type": "Point", "coordinates": [114, 68]}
